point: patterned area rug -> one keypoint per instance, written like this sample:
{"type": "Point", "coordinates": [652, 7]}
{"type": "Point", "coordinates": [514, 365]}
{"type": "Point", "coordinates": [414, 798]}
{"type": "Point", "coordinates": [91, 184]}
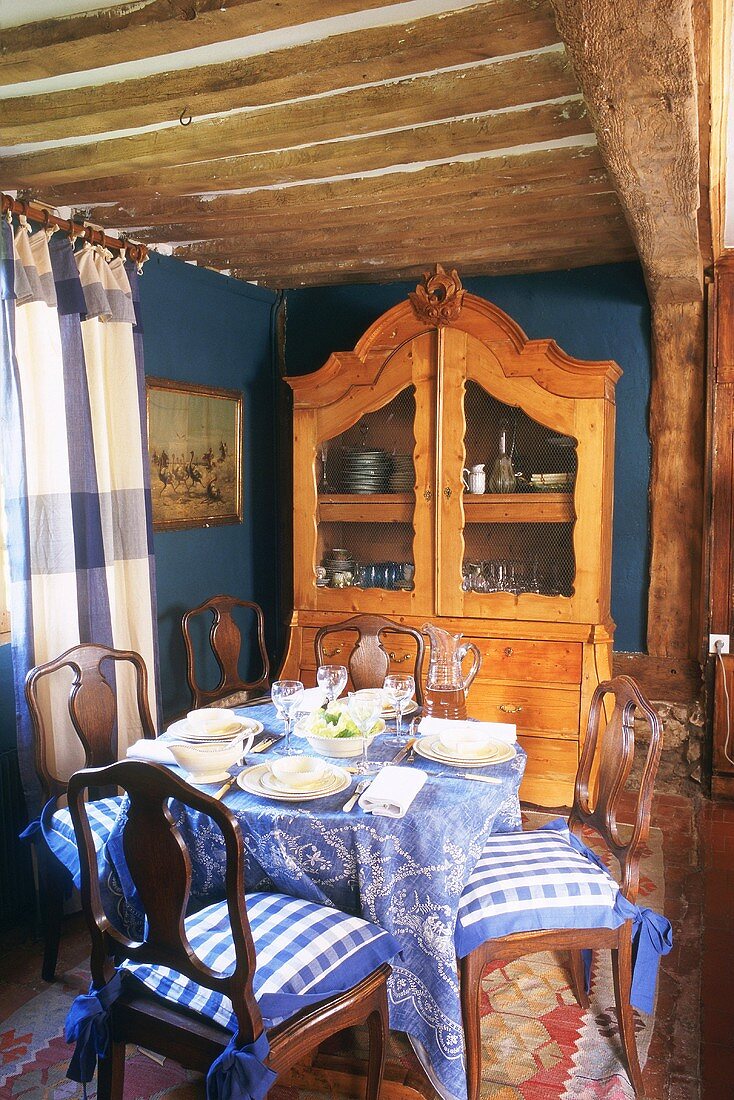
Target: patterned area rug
{"type": "Point", "coordinates": [537, 1043]}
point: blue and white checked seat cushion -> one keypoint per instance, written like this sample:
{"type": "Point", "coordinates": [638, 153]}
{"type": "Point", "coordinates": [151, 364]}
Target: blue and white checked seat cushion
{"type": "Point", "coordinates": [527, 882]}
{"type": "Point", "coordinates": [102, 816]}
{"type": "Point", "coordinates": [305, 953]}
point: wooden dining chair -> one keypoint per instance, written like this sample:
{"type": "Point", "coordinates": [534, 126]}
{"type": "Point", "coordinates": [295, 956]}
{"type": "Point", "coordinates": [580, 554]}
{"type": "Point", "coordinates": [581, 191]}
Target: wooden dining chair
{"type": "Point", "coordinates": [368, 660]}
{"type": "Point", "coordinates": [92, 706]}
{"type": "Point", "coordinates": [225, 639]}
{"type": "Point", "coordinates": [540, 891]}
{"type": "Point", "coordinates": [264, 977]}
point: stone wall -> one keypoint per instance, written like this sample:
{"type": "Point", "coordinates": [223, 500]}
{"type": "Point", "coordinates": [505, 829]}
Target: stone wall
{"type": "Point", "coordinates": [680, 761]}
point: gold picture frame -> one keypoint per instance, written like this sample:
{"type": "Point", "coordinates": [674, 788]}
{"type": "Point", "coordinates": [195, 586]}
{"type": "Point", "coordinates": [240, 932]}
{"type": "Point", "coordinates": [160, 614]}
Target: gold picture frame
{"type": "Point", "coordinates": [194, 454]}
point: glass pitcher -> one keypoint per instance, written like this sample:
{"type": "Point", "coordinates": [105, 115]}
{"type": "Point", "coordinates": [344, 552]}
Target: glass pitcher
{"type": "Point", "coordinates": [446, 684]}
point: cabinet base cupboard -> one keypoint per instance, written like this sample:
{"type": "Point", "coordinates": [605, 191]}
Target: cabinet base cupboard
{"type": "Point", "coordinates": [449, 469]}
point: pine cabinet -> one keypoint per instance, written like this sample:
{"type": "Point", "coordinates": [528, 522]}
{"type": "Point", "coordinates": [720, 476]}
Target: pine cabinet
{"type": "Point", "coordinates": [442, 395]}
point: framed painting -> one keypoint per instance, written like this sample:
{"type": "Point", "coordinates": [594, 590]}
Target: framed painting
{"type": "Point", "coordinates": [195, 454]}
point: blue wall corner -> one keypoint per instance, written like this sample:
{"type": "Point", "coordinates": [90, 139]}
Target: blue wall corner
{"type": "Point", "coordinates": [592, 313]}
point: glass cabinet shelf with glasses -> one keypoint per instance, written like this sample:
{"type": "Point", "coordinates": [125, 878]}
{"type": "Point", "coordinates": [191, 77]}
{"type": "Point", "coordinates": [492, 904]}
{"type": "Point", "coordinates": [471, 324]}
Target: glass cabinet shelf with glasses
{"type": "Point", "coordinates": [450, 470]}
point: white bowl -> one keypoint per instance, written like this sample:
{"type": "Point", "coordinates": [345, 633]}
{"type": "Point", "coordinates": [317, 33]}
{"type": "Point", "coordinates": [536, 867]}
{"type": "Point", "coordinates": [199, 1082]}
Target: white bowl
{"type": "Point", "coordinates": [299, 772]}
{"type": "Point", "coordinates": [215, 722]}
{"type": "Point", "coordinates": [340, 746]}
{"type": "Point", "coordinates": [207, 763]}
{"type": "Point", "coordinates": [464, 742]}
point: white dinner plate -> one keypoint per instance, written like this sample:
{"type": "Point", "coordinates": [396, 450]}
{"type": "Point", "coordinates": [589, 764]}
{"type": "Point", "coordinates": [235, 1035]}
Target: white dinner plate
{"type": "Point", "coordinates": [388, 710]}
{"type": "Point", "coordinates": [271, 783]}
{"type": "Point", "coordinates": [251, 780]}
{"type": "Point", "coordinates": [498, 753]}
{"type": "Point", "coordinates": [182, 731]}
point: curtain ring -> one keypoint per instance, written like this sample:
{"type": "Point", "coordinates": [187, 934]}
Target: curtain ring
{"type": "Point", "coordinates": [185, 114]}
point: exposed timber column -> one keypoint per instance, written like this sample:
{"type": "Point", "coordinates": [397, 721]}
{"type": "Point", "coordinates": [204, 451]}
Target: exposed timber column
{"type": "Point", "coordinates": [635, 62]}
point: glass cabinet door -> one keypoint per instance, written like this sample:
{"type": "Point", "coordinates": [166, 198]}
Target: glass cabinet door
{"type": "Point", "coordinates": [366, 482]}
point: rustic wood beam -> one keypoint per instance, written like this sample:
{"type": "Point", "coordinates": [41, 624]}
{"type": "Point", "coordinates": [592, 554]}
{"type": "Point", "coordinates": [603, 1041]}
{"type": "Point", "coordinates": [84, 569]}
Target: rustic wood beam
{"type": "Point", "coordinates": [151, 28]}
{"type": "Point", "coordinates": [316, 67]}
{"type": "Point", "coordinates": [722, 35]}
{"type": "Point", "coordinates": [443, 95]}
{"type": "Point", "coordinates": [479, 133]}
{"type": "Point", "coordinates": [327, 275]}
{"type": "Point", "coordinates": [661, 679]}
{"type": "Point", "coordinates": [635, 63]}
{"type": "Point", "coordinates": [677, 433]}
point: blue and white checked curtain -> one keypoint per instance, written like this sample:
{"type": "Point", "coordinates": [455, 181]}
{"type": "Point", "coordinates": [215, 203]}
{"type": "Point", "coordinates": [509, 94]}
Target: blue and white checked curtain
{"type": "Point", "coordinates": [72, 408]}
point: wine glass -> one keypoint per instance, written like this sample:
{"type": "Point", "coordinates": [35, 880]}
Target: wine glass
{"type": "Point", "coordinates": [399, 688]}
{"type": "Point", "coordinates": [364, 710]}
{"type": "Point", "coordinates": [286, 696]}
{"type": "Point", "coordinates": [332, 679]}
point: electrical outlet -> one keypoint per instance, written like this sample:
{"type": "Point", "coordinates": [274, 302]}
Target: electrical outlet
{"type": "Point", "coordinates": [723, 638]}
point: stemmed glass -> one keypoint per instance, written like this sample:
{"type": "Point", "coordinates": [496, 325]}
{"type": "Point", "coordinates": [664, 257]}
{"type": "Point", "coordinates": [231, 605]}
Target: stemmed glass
{"type": "Point", "coordinates": [332, 679]}
{"type": "Point", "coordinates": [399, 689]}
{"type": "Point", "coordinates": [364, 710]}
{"type": "Point", "coordinates": [286, 696]}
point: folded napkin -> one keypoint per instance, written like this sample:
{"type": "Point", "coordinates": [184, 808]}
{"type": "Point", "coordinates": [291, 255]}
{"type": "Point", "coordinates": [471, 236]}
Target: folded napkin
{"type": "Point", "coordinates": [312, 699]}
{"type": "Point", "coordinates": [498, 731]}
{"type": "Point", "coordinates": [154, 750]}
{"type": "Point", "coordinates": [392, 791]}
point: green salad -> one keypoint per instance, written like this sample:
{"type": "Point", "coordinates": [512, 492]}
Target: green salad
{"type": "Point", "coordinates": [335, 721]}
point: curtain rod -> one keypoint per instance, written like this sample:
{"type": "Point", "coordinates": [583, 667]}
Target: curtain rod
{"type": "Point", "coordinates": [37, 212]}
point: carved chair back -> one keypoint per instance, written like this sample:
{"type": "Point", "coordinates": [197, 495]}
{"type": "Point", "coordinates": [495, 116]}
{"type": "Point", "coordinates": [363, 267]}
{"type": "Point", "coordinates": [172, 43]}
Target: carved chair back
{"type": "Point", "coordinates": [369, 661]}
{"type": "Point", "coordinates": [92, 706]}
{"type": "Point", "coordinates": [606, 762]}
{"type": "Point", "coordinates": [160, 868]}
{"type": "Point", "coordinates": [225, 639]}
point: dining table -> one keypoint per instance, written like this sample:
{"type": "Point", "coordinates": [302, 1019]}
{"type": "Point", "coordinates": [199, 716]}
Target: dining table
{"type": "Point", "coordinates": [404, 873]}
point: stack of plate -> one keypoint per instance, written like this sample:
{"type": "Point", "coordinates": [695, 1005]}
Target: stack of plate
{"type": "Point", "coordinates": [260, 780]}
{"type": "Point", "coordinates": [338, 561]}
{"type": "Point", "coordinates": [559, 481]}
{"type": "Point", "coordinates": [366, 471]}
{"type": "Point", "coordinates": [431, 747]}
{"type": "Point", "coordinates": [402, 478]}
{"type": "Point", "coordinates": [185, 731]}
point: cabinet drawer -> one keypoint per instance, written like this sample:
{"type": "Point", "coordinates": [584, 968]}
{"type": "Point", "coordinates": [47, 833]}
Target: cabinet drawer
{"type": "Point", "coordinates": [531, 661]}
{"type": "Point", "coordinates": [339, 645]}
{"type": "Point", "coordinates": [550, 771]}
{"type": "Point", "coordinates": [532, 709]}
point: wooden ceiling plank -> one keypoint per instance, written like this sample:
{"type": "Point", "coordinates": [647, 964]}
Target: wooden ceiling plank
{"type": "Point", "coordinates": [544, 123]}
{"type": "Point", "coordinates": [75, 43]}
{"type": "Point", "coordinates": [367, 55]}
{"type": "Point", "coordinates": [532, 79]}
{"type": "Point", "coordinates": [553, 172]}
{"type": "Point", "coordinates": [515, 209]}
{"type": "Point", "coordinates": [636, 66]}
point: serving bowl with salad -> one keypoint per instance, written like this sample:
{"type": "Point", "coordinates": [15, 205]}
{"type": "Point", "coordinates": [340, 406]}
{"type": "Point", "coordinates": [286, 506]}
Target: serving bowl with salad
{"type": "Point", "coordinates": [331, 731]}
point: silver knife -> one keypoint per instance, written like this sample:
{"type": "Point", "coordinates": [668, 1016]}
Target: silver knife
{"type": "Point", "coordinates": [404, 751]}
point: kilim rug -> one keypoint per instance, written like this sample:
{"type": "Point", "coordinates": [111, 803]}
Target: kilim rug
{"type": "Point", "coordinates": [537, 1043]}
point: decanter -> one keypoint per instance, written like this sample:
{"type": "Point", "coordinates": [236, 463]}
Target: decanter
{"type": "Point", "coordinates": [502, 477]}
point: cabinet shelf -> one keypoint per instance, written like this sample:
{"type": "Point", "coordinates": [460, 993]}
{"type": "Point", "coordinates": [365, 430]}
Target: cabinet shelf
{"type": "Point", "coordinates": [489, 508]}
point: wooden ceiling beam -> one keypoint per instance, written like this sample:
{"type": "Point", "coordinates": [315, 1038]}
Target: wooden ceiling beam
{"type": "Point", "coordinates": [442, 95]}
{"type": "Point", "coordinates": [152, 28]}
{"type": "Point", "coordinates": [477, 134]}
{"type": "Point", "coordinates": [565, 169]}
{"type": "Point", "coordinates": [635, 63]}
{"type": "Point", "coordinates": [339, 61]}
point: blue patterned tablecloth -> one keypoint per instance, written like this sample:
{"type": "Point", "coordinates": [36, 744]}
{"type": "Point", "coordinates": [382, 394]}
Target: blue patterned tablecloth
{"type": "Point", "coordinates": [404, 874]}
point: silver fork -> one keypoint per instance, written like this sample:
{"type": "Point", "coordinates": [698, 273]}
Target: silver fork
{"type": "Point", "coordinates": [358, 790]}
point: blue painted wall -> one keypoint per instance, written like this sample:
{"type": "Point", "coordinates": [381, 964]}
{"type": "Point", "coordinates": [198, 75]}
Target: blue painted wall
{"type": "Point", "coordinates": [203, 327]}
{"type": "Point", "coordinates": [592, 313]}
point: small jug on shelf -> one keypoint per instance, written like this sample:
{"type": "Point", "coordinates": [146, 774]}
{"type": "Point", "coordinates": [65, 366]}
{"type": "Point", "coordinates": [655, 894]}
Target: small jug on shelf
{"type": "Point", "coordinates": [502, 479]}
{"type": "Point", "coordinates": [446, 684]}
{"type": "Point", "coordinates": [474, 478]}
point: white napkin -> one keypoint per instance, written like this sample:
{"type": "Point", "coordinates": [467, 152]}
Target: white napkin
{"type": "Point", "coordinates": [154, 750]}
{"type": "Point", "coordinates": [392, 791]}
{"type": "Point", "coordinates": [498, 731]}
{"type": "Point", "coordinates": [312, 699]}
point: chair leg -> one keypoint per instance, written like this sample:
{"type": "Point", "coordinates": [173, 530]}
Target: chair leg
{"type": "Point", "coordinates": [111, 1072]}
{"type": "Point", "coordinates": [377, 1026]}
{"type": "Point", "coordinates": [578, 982]}
{"type": "Point", "coordinates": [52, 883]}
{"type": "Point", "coordinates": [622, 973]}
{"type": "Point", "coordinates": [470, 976]}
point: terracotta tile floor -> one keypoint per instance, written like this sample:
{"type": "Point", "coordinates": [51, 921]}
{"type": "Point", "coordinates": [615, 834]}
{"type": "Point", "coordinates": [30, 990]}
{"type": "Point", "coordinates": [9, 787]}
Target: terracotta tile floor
{"type": "Point", "coordinates": [692, 1052]}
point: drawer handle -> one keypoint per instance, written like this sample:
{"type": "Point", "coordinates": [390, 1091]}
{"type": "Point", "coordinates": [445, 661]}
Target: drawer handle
{"type": "Point", "coordinates": [333, 652]}
{"type": "Point", "coordinates": [507, 708]}
{"type": "Point", "coordinates": [398, 660]}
